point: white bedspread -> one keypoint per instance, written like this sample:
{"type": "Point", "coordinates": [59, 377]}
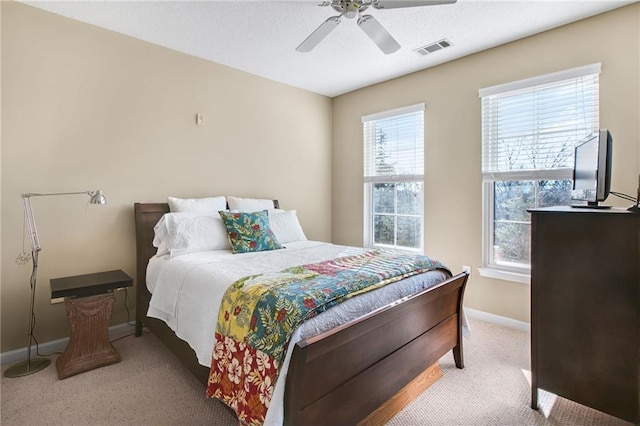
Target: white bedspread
{"type": "Point", "coordinates": [187, 291]}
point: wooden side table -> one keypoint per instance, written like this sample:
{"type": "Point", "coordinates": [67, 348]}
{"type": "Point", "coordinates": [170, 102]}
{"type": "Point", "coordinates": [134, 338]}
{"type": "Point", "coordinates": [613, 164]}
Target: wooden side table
{"type": "Point", "coordinates": [89, 302]}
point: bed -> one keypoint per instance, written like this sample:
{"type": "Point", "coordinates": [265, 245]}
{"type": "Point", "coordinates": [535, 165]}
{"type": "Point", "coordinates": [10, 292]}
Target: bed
{"type": "Point", "coordinates": [347, 374]}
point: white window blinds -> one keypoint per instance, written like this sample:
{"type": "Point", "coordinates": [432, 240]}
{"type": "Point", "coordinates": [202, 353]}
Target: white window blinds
{"type": "Point", "coordinates": [534, 124]}
{"type": "Point", "coordinates": [394, 145]}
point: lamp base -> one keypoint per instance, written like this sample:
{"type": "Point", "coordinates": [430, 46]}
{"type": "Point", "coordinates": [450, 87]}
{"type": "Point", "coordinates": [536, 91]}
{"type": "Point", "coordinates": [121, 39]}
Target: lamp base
{"type": "Point", "coordinates": [25, 368]}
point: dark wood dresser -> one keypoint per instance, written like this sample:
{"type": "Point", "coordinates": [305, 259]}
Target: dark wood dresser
{"type": "Point", "coordinates": [585, 307]}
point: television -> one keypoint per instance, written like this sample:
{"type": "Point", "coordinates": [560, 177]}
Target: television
{"type": "Point", "coordinates": [592, 170]}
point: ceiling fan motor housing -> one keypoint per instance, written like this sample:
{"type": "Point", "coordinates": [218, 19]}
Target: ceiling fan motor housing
{"type": "Point", "coordinates": [350, 9]}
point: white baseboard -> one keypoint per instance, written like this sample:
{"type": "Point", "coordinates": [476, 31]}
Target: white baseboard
{"type": "Point", "coordinates": [497, 319]}
{"type": "Point", "coordinates": [120, 330]}
{"type": "Point", "coordinates": [17, 355]}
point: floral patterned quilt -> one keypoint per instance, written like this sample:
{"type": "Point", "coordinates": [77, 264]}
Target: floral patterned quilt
{"type": "Point", "coordinates": [259, 313]}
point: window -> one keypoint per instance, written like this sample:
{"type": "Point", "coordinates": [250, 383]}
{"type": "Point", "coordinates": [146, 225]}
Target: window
{"type": "Point", "coordinates": [529, 130]}
{"type": "Point", "coordinates": [394, 178]}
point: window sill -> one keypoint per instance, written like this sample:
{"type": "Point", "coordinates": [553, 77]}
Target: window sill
{"type": "Point", "coordinates": [504, 275]}
{"type": "Point", "coordinates": [395, 248]}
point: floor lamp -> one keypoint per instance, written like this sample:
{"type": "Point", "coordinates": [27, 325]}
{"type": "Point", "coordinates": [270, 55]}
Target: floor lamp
{"type": "Point", "coordinates": [33, 365]}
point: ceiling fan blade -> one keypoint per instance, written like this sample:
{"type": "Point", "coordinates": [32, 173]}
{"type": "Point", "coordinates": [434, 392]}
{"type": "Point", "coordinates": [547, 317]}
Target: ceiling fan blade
{"type": "Point", "coordinates": [319, 34]}
{"type": "Point", "coordinates": [378, 34]}
{"type": "Point", "coordinates": [396, 4]}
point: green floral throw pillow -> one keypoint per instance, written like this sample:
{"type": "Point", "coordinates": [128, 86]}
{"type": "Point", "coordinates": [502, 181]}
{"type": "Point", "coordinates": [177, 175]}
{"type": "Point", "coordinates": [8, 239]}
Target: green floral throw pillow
{"type": "Point", "coordinates": [249, 232]}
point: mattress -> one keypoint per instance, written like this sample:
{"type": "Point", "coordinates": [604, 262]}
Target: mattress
{"type": "Point", "coordinates": [187, 291]}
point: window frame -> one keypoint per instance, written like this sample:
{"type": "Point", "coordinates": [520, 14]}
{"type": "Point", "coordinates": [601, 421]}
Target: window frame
{"type": "Point", "coordinates": [490, 267]}
{"type": "Point", "coordinates": [370, 181]}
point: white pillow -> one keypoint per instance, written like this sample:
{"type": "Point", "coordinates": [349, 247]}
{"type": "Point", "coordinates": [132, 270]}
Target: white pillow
{"type": "Point", "coordinates": [285, 226]}
{"type": "Point", "coordinates": [181, 233]}
{"type": "Point", "coordinates": [209, 205]}
{"type": "Point", "coordinates": [249, 205]}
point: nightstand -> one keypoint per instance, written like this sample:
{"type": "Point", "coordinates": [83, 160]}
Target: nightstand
{"type": "Point", "coordinates": [89, 302]}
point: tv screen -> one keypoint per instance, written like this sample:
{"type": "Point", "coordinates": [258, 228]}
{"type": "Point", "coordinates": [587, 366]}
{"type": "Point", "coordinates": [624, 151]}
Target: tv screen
{"type": "Point", "coordinates": [592, 169]}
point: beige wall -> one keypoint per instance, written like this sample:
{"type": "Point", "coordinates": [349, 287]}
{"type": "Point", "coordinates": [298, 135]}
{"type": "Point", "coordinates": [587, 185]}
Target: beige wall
{"type": "Point", "coordinates": [85, 108]}
{"type": "Point", "coordinates": [453, 199]}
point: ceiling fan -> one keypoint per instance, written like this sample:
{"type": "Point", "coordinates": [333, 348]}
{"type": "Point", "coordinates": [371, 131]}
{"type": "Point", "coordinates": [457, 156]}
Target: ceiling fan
{"type": "Point", "coordinates": [370, 25]}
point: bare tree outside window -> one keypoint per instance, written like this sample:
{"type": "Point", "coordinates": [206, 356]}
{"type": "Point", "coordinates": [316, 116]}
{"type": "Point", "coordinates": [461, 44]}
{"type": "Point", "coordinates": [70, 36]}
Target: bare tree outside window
{"type": "Point", "coordinates": [529, 131]}
{"type": "Point", "coordinates": [512, 198]}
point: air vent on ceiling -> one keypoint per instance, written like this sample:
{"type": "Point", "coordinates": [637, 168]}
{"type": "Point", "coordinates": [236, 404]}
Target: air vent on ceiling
{"type": "Point", "coordinates": [433, 47]}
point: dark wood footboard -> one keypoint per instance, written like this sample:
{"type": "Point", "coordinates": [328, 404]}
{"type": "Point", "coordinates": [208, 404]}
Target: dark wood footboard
{"type": "Point", "coordinates": [344, 375]}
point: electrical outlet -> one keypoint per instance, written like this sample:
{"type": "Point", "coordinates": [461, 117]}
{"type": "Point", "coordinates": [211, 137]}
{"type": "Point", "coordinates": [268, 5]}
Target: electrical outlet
{"type": "Point", "coordinates": [467, 269]}
{"type": "Point", "coordinates": [200, 119]}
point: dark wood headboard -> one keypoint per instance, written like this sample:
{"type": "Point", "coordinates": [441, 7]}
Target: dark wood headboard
{"type": "Point", "coordinates": [146, 216]}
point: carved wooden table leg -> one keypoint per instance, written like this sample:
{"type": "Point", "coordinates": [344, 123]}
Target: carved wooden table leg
{"type": "Point", "coordinates": [89, 345]}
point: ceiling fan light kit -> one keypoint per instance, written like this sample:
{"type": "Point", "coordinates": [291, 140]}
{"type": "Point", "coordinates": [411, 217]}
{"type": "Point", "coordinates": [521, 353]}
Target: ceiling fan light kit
{"type": "Point", "coordinates": [372, 28]}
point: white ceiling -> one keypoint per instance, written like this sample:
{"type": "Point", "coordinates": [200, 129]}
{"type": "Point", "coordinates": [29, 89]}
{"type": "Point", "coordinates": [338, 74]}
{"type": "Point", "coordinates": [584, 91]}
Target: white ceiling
{"type": "Point", "coordinates": [259, 37]}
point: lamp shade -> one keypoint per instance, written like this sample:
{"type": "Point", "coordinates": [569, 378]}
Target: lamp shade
{"type": "Point", "coordinates": [97, 197]}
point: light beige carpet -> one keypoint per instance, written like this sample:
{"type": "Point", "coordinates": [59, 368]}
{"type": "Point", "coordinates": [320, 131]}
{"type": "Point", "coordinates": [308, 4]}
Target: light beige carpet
{"type": "Point", "coordinates": [149, 387]}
